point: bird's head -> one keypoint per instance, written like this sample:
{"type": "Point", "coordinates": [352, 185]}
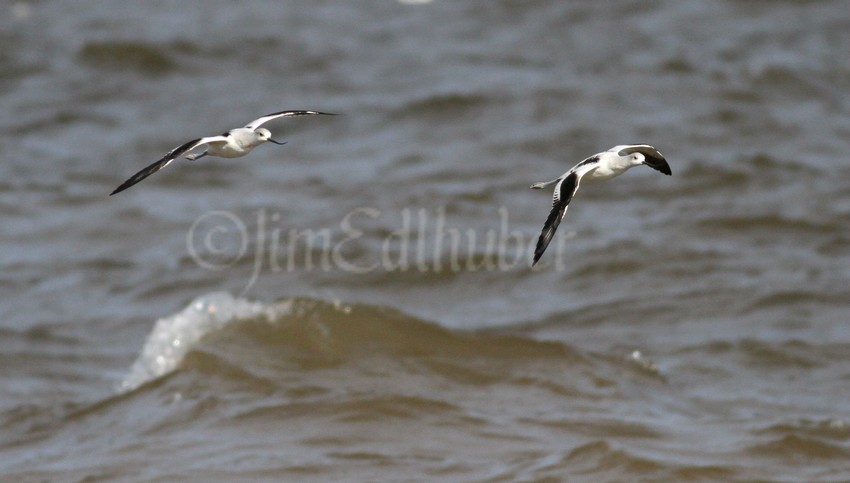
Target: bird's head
{"type": "Point", "coordinates": [264, 135]}
{"type": "Point", "coordinates": [645, 154]}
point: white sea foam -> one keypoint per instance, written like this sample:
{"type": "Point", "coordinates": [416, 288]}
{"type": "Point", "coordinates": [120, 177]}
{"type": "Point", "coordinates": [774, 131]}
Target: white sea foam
{"type": "Point", "coordinates": [173, 336]}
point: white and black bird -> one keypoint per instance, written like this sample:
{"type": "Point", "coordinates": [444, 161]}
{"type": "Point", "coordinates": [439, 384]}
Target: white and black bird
{"type": "Point", "coordinates": [232, 144]}
{"type": "Point", "coordinates": [599, 167]}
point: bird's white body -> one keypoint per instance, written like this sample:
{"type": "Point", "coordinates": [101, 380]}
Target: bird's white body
{"type": "Point", "coordinates": [612, 164]}
{"type": "Point", "coordinates": [239, 143]}
{"type": "Point", "coordinates": [599, 167]}
{"type": "Point", "coordinates": [235, 143]}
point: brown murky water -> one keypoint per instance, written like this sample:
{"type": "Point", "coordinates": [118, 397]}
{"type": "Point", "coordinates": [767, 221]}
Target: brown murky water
{"type": "Point", "coordinates": [358, 304]}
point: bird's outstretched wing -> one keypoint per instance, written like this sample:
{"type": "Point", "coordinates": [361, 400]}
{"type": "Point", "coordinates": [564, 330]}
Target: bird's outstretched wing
{"type": "Point", "coordinates": [268, 117]}
{"type": "Point", "coordinates": [166, 160]}
{"type": "Point", "coordinates": [564, 191]}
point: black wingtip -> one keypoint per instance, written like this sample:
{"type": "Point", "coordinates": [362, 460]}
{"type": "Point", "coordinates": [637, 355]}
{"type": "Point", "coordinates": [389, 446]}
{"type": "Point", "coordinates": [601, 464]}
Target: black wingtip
{"type": "Point", "coordinates": [546, 234]}
{"type": "Point", "coordinates": [312, 113]}
{"type": "Point", "coordinates": [536, 259]}
{"type": "Point", "coordinates": [121, 188]}
{"type": "Point", "coordinates": [542, 244]}
{"type": "Point", "coordinates": [130, 182]}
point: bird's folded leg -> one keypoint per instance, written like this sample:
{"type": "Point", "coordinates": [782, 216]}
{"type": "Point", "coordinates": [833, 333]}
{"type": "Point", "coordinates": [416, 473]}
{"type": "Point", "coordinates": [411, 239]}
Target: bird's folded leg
{"type": "Point", "coordinates": [192, 157]}
{"type": "Point", "coordinates": [537, 186]}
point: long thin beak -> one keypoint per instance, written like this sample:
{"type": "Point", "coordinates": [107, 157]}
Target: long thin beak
{"type": "Point", "coordinates": [272, 140]}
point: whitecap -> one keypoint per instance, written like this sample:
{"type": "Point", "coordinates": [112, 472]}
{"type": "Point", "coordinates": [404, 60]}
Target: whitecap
{"type": "Point", "coordinates": [174, 336]}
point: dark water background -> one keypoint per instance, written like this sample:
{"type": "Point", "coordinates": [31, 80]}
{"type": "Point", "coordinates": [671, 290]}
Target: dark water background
{"type": "Point", "coordinates": [682, 328]}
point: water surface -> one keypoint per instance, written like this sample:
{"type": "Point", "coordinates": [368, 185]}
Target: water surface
{"type": "Point", "coordinates": [305, 313]}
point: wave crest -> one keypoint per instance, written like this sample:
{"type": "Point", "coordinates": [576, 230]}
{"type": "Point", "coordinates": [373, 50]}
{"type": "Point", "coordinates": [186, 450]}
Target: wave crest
{"type": "Point", "coordinates": [313, 330]}
{"type": "Point", "coordinates": [172, 337]}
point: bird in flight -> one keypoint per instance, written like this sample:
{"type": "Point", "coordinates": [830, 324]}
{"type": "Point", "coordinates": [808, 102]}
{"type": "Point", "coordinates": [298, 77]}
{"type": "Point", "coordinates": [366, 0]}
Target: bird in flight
{"type": "Point", "coordinates": [599, 167]}
{"type": "Point", "coordinates": [232, 144]}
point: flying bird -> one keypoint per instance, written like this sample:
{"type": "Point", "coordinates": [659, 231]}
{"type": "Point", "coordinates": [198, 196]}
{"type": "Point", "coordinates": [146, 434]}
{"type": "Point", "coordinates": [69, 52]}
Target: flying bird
{"type": "Point", "coordinates": [599, 167]}
{"type": "Point", "coordinates": [232, 144]}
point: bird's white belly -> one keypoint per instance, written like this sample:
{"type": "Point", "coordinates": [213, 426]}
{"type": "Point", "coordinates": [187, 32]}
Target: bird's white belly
{"type": "Point", "coordinates": [229, 150]}
{"type": "Point", "coordinates": [601, 173]}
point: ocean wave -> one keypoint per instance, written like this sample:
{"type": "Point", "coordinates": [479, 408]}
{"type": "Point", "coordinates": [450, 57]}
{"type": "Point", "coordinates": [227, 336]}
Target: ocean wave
{"type": "Point", "coordinates": [216, 327]}
{"type": "Point", "coordinates": [441, 104]}
{"type": "Point", "coordinates": [772, 223]}
{"type": "Point", "coordinates": [795, 447]}
{"type": "Point", "coordinates": [747, 172]}
{"type": "Point", "coordinates": [142, 57]}
{"type": "Point", "coordinates": [174, 336]}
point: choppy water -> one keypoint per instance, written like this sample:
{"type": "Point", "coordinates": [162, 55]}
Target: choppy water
{"type": "Point", "coordinates": [358, 304]}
